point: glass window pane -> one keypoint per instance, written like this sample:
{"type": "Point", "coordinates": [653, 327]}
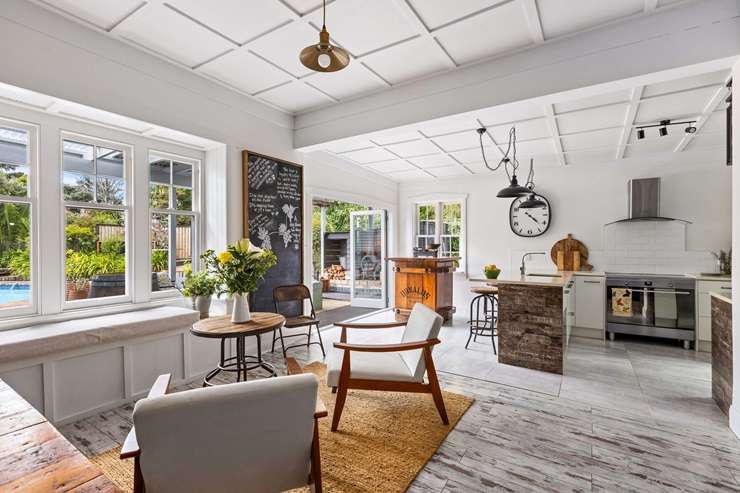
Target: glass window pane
{"type": "Point", "coordinates": [159, 170]}
{"type": "Point", "coordinates": [78, 157]}
{"type": "Point", "coordinates": [96, 253]}
{"type": "Point", "coordinates": [159, 196]}
{"type": "Point", "coordinates": [13, 179]}
{"type": "Point", "coordinates": [182, 174]}
{"type": "Point", "coordinates": [78, 188]}
{"type": "Point", "coordinates": [160, 238]}
{"type": "Point", "coordinates": [183, 199]}
{"type": "Point", "coordinates": [13, 146]}
{"type": "Point", "coordinates": [183, 246]}
{"type": "Point", "coordinates": [110, 162]}
{"type": "Point", "coordinates": [110, 190]}
{"type": "Point", "coordinates": [15, 256]}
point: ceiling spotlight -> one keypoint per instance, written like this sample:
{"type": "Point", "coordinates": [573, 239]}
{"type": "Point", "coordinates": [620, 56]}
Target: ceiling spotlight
{"type": "Point", "coordinates": [691, 129]}
{"type": "Point", "coordinates": [663, 131]}
{"type": "Point", "coordinates": [324, 57]}
{"type": "Point", "coordinates": [640, 133]}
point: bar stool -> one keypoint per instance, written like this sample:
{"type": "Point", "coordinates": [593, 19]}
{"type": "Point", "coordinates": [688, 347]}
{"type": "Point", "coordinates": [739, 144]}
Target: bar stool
{"type": "Point", "coordinates": [483, 315]}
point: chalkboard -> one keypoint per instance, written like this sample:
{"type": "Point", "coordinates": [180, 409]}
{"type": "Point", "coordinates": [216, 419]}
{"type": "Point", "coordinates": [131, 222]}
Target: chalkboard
{"type": "Point", "coordinates": [273, 219]}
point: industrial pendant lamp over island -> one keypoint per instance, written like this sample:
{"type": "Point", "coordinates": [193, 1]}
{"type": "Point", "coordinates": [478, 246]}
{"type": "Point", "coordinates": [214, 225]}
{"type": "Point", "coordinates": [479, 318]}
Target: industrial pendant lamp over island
{"type": "Point", "coordinates": [324, 57]}
{"type": "Point", "coordinates": [514, 189]}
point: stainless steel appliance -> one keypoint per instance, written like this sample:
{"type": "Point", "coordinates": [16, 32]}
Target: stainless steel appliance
{"type": "Point", "coordinates": [651, 305]}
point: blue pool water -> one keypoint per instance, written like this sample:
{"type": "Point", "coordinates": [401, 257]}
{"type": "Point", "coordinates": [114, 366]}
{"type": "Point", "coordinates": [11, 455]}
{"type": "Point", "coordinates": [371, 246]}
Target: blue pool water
{"type": "Point", "coordinates": [14, 293]}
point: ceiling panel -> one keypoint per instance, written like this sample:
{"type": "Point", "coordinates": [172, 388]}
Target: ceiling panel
{"type": "Point", "coordinates": [592, 119]}
{"type": "Point", "coordinates": [526, 130]}
{"type": "Point", "coordinates": [717, 122]}
{"type": "Point", "coordinates": [413, 148]}
{"type": "Point", "coordinates": [236, 19]}
{"type": "Point", "coordinates": [355, 79]}
{"type": "Point", "coordinates": [458, 141]}
{"type": "Point", "coordinates": [393, 166]}
{"type": "Point", "coordinates": [102, 14]}
{"type": "Point", "coordinates": [589, 157]}
{"type": "Point", "coordinates": [245, 71]}
{"type": "Point", "coordinates": [407, 61]}
{"type": "Point", "coordinates": [303, 6]}
{"type": "Point", "coordinates": [395, 136]}
{"type": "Point", "coordinates": [509, 113]}
{"type": "Point", "coordinates": [534, 147]}
{"type": "Point", "coordinates": [651, 146]}
{"type": "Point", "coordinates": [283, 45]}
{"type": "Point", "coordinates": [361, 26]}
{"type": "Point", "coordinates": [295, 96]}
{"type": "Point", "coordinates": [409, 175]}
{"type": "Point", "coordinates": [434, 161]}
{"type": "Point", "coordinates": [372, 155]}
{"type": "Point", "coordinates": [449, 171]}
{"type": "Point", "coordinates": [713, 78]}
{"type": "Point", "coordinates": [673, 106]}
{"type": "Point", "coordinates": [474, 155]}
{"type": "Point", "coordinates": [345, 145]}
{"type": "Point", "coordinates": [497, 31]}
{"type": "Point", "coordinates": [435, 13]}
{"type": "Point", "coordinates": [590, 102]}
{"type": "Point", "coordinates": [591, 140]}
{"type": "Point", "coordinates": [709, 139]}
{"type": "Point", "coordinates": [448, 125]}
{"type": "Point", "coordinates": [165, 31]}
{"type": "Point", "coordinates": [561, 17]}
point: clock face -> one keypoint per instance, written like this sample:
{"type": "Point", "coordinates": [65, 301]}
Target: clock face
{"type": "Point", "coordinates": [529, 222]}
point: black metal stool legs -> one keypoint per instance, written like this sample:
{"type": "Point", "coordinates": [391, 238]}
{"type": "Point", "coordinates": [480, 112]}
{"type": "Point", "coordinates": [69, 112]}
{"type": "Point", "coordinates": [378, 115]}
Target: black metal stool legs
{"type": "Point", "coordinates": [483, 319]}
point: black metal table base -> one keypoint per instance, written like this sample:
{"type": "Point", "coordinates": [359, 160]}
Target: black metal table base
{"type": "Point", "coordinates": [241, 363]}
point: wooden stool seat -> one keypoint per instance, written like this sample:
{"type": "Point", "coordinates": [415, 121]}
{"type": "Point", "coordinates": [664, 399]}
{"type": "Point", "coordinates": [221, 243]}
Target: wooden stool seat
{"type": "Point", "coordinates": [485, 290]}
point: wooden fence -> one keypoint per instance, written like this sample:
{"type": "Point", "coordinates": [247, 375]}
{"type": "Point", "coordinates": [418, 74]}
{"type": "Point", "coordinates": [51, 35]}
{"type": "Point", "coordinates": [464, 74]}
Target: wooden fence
{"type": "Point", "coordinates": [182, 238]}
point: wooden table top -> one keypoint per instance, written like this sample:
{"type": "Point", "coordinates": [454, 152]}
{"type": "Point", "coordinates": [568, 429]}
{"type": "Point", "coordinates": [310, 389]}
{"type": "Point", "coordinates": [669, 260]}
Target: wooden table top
{"type": "Point", "coordinates": [222, 327]}
{"type": "Point", "coordinates": [34, 456]}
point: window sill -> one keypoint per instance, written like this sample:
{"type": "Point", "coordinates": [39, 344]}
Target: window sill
{"type": "Point", "coordinates": [71, 314]}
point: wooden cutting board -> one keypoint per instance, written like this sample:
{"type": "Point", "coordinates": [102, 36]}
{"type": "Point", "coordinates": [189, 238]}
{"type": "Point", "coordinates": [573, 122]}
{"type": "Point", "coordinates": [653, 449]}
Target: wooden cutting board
{"type": "Point", "coordinates": [570, 254]}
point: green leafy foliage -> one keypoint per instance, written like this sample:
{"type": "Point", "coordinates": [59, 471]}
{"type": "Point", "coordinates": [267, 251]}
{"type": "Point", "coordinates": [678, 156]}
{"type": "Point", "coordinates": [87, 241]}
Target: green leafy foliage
{"type": "Point", "coordinates": [160, 260]}
{"type": "Point", "coordinates": [337, 221]}
{"type": "Point", "coordinates": [201, 284]}
{"type": "Point", "coordinates": [19, 263]}
{"type": "Point", "coordinates": [80, 238]}
{"type": "Point", "coordinates": [82, 266]}
{"type": "Point", "coordinates": [240, 267]}
{"type": "Point", "coordinates": [113, 245]}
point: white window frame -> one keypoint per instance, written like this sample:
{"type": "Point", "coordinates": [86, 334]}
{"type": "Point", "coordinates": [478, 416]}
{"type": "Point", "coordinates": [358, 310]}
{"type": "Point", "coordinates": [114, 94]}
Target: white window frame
{"type": "Point", "coordinates": [32, 200]}
{"type": "Point", "coordinates": [195, 214]}
{"type": "Point", "coordinates": [126, 208]}
{"type": "Point", "coordinates": [437, 201]}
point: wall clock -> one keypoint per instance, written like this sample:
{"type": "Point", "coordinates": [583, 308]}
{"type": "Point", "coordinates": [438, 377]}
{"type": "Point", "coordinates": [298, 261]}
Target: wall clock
{"type": "Point", "coordinates": [529, 222]}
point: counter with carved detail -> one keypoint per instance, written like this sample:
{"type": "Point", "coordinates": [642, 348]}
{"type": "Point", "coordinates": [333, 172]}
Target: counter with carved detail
{"type": "Point", "coordinates": [426, 280]}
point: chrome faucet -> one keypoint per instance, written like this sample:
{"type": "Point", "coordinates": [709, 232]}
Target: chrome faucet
{"type": "Point", "coordinates": [524, 258]}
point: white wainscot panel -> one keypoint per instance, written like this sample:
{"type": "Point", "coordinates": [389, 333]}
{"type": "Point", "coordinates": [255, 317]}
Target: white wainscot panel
{"type": "Point", "coordinates": [87, 382]}
{"type": "Point", "coordinates": [29, 383]}
{"type": "Point", "coordinates": [153, 358]}
{"type": "Point", "coordinates": [204, 354]}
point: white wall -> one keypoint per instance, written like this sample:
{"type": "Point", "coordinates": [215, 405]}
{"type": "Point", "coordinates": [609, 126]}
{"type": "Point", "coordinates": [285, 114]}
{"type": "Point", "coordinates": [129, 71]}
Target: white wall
{"type": "Point", "coordinates": [583, 198]}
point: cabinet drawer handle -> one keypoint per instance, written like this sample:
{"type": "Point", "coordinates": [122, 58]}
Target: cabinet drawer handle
{"type": "Point", "coordinates": [725, 287]}
{"type": "Point", "coordinates": [592, 282]}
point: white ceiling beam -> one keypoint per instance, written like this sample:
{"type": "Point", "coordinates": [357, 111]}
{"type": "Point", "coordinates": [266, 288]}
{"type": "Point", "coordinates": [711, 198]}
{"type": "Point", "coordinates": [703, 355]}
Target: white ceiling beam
{"type": "Point", "coordinates": [641, 51]}
{"type": "Point", "coordinates": [629, 120]}
{"type": "Point", "coordinates": [552, 125]}
{"type": "Point", "coordinates": [533, 21]}
{"type": "Point", "coordinates": [422, 30]}
{"type": "Point", "coordinates": [717, 98]}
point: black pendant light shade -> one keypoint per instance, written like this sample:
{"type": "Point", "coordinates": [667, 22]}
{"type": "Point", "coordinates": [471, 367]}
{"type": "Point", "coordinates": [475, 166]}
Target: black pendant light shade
{"type": "Point", "coordinates": [532, 202]}
{"type": "Point", "coordinates": [513, 190]}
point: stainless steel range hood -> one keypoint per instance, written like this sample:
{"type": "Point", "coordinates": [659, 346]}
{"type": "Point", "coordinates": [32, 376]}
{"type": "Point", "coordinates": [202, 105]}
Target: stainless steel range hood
{"type": "Point", "coordinates": [644, 202]}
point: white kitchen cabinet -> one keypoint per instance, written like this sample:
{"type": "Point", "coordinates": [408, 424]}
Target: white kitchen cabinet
{"type": "Point", "coordinates": [590, 303]}
{"type": "Point", "coordinates": [704, 310]}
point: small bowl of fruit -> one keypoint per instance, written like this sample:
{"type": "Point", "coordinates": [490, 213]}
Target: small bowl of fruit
{"type": "Point", "coordinates": [491, 271]}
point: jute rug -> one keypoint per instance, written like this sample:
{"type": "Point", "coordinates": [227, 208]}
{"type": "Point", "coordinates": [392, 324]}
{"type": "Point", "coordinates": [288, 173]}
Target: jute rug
{"type": "Point", "coordinates": [384, 439]}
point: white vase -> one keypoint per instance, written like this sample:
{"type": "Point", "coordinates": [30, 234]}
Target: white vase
{"type": "Point", "coordinates": [240, 313]}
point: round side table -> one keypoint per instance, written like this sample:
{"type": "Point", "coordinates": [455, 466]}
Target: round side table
{"type": "Point", "coordinates": [223, 328]}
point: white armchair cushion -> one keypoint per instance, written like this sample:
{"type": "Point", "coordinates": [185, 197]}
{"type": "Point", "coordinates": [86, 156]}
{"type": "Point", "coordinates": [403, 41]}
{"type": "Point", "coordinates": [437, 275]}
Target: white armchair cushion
{"type": "Point", "coordinates": [371, 366]}
{"type": "Point", "coordinates": [244, 437]}
{"type": "Point", "coordinates": [424, 323]}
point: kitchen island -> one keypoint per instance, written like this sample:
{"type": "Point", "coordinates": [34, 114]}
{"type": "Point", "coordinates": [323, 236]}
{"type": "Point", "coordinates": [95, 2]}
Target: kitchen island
{"type": "Point", "coordinates": [532, 320]}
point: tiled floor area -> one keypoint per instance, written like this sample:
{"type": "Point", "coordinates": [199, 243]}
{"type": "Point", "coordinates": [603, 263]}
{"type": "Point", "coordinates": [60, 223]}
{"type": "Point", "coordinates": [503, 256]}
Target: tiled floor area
{"type": "Point", "coordinates": [626, 416]}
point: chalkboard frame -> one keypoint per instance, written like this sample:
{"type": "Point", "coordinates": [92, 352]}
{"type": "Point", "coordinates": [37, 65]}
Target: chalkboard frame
{"type": "Point", "coordinates": [245, 197]}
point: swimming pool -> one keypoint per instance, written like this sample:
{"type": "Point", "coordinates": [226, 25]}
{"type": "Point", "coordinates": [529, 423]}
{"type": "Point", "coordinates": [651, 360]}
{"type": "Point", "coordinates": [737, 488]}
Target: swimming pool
{"type": "Point", "coordinates": [14, 293]}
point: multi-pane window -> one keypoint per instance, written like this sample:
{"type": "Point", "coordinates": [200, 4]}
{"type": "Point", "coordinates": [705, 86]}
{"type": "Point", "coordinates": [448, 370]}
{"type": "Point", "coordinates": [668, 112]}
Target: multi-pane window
{"type": "Point", "coordinates": [173, 217]}
{"type": "Point", "coordinates": [95, 219]}
{"type": "Point", "coordinates": [16, 232]}
{"type": "Point", "coordinates": [440, 222]}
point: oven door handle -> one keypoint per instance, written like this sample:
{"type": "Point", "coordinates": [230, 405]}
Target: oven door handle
{"type": "Point", "coordinates": [665, 291]}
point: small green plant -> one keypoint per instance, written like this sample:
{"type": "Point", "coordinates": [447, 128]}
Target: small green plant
{"type": "Point", "coordinates": [113, 245]}
{"type": "Point", "coordinates": [19, 263]}
{"type": "Point", "coordinates": [80, 238]}
{"type": "Point", "coordinates": [82, 266]}
{"type": "Point", "coordinates": [160, 260]}
{"type": "Point", "coordinates": [200, 284]}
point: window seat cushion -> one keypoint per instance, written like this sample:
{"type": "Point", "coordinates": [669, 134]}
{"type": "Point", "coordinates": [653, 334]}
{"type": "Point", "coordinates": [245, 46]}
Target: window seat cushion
{"type": "Point", "coordinates": [48, 338]}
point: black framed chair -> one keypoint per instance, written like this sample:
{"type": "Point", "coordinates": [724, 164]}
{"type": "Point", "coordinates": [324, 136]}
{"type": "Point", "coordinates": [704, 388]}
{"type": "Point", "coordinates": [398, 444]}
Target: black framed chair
{"type": "Point", "coordinates": [290, 303]}
{"type": "Point", "coordinates": [483, 315]}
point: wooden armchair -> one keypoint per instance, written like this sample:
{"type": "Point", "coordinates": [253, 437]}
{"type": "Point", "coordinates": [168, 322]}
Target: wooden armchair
{"type": "Point", "coordinates": [257, 436]}
{"type": "Point", "coordinates": [391, 367]}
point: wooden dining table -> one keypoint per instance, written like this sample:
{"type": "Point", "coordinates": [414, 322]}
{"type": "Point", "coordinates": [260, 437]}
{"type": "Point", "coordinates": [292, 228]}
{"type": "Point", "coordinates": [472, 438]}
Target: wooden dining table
{"type": "Point", "coordinates": [35, 457]}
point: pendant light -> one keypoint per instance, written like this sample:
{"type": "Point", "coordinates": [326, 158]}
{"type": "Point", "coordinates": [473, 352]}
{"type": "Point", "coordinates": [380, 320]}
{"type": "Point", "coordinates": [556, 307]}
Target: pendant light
{"type": "Point", "coordinates": [532, 201]}
{"type": "Point", "coordinates": [324, 57]}
{"type": "Point", "coordinates": [514, 189]}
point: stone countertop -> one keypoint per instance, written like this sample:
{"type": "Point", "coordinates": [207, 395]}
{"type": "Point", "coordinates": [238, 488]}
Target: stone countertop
{"type": "Point", "coordinates": [725, 296]}
{"type": "Point", "coordinates": [705, 277]}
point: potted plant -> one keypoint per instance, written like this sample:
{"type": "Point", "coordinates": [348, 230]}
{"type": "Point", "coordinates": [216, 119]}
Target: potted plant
{"type": "Point", "coordinates": [239, 269]}
{"type": "Point", "coordinates": [79, 271]}
{"type": "Point", "coordinates": [199, 287]}
{"type": "Point", "coordinates": [491, 271]}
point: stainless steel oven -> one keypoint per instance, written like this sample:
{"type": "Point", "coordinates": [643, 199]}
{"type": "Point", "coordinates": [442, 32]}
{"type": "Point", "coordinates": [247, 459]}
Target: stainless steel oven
{"type": "Point", "coordinates": [651, 305]}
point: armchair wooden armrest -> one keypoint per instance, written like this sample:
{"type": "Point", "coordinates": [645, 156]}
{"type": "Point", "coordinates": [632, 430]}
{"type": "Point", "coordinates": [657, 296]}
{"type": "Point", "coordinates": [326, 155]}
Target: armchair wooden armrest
{"type": "Point", "coordinates": [381, 325]}
{"type": "Point", "coordinates": [130, 447]}
{"type": "Point", "coordinates": [386, 348]}
{"type": "Point", "coordinates": [295, 369]}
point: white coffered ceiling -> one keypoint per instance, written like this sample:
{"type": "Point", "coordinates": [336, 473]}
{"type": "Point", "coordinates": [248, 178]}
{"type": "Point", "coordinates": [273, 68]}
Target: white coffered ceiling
{"type": "Point", "coordinates": [587, 131]}
{"type": "Point", "coordinates": [252, 46]}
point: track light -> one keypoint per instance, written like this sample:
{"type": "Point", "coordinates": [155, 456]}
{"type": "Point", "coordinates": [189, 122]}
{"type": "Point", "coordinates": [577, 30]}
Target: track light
{"type": "Point", "coordinates": [640, 133]}
{"type": "Point", "coordinates": [691, 129]}
{"type": "Point", "coordinates": [663, 131]}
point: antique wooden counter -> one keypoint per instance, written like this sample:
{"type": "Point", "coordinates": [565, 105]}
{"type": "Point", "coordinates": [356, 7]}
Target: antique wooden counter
{"type": "Point", "coordinates": [426, 280]}
{"type": "Point", "coordinates": [722, 350]}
